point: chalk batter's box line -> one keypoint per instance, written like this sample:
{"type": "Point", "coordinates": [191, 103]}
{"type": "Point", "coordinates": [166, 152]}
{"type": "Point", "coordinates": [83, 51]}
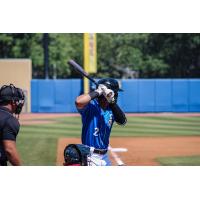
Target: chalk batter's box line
{"type": "Point", "coordinates": [115, 156]}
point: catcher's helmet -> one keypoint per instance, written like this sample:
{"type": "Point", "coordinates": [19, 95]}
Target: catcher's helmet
{"type": "Point", "coordinates": [112, 84]}
{"type": "Point", "coordinates": [9, 93]}
{"type": "Point", "coordinates": [76, 154]}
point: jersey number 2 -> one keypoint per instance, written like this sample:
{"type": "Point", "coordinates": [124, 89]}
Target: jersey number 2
{"type": "Point", "coordinates": [96, 132]}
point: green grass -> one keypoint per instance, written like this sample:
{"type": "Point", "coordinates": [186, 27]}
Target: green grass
{"type": "Point", "coordinates": [180, 161]}
{"type": "Point", "coordinates": [38, 143]}
{"type": "Point", "coordinates": [37, 151]}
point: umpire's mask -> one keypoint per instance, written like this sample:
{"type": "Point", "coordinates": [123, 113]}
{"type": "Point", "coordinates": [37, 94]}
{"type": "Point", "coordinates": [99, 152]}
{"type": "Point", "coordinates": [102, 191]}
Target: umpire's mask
{"type": "Point", "coordinates": [15, 96]}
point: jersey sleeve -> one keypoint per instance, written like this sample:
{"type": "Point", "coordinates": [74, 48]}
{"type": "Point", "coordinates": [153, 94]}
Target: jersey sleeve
{"type": "Point", "coordinates": [84, 109]}
{"type": "Point", "coordinates": [10, 130]}
{"type": "Point", "coordinates": [119, 116]}
{"type": "Point", "coordinates": [92, 105]}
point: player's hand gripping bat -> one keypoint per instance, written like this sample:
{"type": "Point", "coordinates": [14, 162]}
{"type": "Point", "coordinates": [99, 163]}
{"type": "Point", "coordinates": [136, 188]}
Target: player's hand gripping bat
{"type": "Point", "coordinates": [81, 71]}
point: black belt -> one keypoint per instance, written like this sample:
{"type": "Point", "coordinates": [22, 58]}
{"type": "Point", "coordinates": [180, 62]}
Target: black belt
{"type": "Point", "coordinates": [100, 151]}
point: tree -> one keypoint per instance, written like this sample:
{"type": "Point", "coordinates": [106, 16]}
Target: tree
{"type": "Point", "coordinates": [180, 51]}
{"type": "Point", "coordinates": [127, 50]}
{"type": "Point", "coordinates": [152, 55]}
{"type": "Point", "coordinates": [62, 48]}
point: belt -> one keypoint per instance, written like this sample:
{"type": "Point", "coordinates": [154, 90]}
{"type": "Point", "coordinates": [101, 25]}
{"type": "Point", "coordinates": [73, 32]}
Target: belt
{"type": "Point", "coordinates": [100, 151]}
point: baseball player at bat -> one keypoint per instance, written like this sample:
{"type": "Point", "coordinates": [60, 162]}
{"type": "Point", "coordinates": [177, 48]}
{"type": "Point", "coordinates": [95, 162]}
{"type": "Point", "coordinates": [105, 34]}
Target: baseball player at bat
{"type": "Point", "coordinates": [99, 110]}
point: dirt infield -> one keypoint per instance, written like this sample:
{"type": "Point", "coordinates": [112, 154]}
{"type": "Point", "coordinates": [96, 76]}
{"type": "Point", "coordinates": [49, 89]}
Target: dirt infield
{"type": "Point", "coordinates": [143, 151]}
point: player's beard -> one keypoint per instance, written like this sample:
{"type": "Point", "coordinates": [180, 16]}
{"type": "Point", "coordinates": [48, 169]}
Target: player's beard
{"type": "Point", "coordinates": [103, 102]}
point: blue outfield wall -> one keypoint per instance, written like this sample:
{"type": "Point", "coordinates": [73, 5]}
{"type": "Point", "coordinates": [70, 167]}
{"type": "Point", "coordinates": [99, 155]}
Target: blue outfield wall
{"type": "Point", "coordinates": [140, 95]}
{"type": "Point", "coordinates": [57, 96]}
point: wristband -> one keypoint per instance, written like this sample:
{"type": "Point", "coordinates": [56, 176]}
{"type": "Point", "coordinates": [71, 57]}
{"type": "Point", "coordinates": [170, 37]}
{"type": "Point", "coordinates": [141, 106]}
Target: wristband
{"type": "Point", "coordinates": [93, 94]}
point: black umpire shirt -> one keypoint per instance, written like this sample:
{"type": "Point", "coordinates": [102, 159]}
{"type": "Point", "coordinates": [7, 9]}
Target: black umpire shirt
{"type": "Point", "coordinates": [9, 128]}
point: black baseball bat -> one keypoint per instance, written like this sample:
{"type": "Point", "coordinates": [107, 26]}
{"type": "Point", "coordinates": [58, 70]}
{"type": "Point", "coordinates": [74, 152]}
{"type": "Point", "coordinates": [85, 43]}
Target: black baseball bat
{"type": "Point", "coordinates": [80, 70]}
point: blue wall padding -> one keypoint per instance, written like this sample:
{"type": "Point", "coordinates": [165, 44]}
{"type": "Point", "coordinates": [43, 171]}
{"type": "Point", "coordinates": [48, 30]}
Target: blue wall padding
{"type": "Point", "coordinates": [146, 92]}
{"type": "Point", "coordinates": [129, 97]}
{"type": "Point", "coordinates": [163, 95]}
{"type": "Point", "coordinates": [46, 96]}
{"type": "Point", "coordinates": [63, 95]}
{"type": "Point", "coordinates": [140, 95]}
{"type": "Point", "coordinates": [77, 90]}
{"type": "Point", "coordinates": [194, 95]}
{"type": "Point", "coordinates": [54, 95]}
{"type": "Point", "coordinates": [180, 95]}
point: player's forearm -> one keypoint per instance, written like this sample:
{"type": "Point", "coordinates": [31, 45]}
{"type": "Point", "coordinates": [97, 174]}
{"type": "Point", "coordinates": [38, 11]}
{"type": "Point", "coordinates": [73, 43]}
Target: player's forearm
{"type": "Point", "coordinates": [11, 152]}
{"type": "Point", "coordinates": [13, 157]}
{"type": "Point", "coordinates": [84, 99]}
{"type": "Point", "coordinates": [119, 115]}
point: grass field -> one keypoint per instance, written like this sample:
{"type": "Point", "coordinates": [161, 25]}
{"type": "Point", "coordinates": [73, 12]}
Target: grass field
{"type": "Point", "coordinates": [38, 143]}
{"type": "Point", "coordinates": [180, 161]}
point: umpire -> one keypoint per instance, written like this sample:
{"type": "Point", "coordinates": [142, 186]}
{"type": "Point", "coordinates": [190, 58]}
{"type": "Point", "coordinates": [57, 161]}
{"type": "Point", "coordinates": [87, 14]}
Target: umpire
{"type": "Point", "coordinates": [11, 103]}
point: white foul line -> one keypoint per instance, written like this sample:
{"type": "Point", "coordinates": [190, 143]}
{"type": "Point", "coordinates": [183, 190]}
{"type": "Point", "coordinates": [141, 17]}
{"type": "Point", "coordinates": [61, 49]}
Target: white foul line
{"type": "Point", "coordinates": [115, 156]}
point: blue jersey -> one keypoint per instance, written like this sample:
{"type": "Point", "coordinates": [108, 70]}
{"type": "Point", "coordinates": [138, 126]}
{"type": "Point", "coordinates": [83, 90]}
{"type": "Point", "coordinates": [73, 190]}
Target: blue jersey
{"type": "Point", "coordinates": [97, 125]}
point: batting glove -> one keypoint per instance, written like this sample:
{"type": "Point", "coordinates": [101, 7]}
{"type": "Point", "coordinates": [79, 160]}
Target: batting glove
{"type": "Point", "coordinates": [100, 89]}
{"type": "Point", "coordinates": [109, 95]}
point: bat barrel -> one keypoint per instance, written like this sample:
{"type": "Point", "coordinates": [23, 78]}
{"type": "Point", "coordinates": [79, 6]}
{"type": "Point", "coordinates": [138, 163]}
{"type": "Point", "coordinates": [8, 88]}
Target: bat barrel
{"type": "Point", "coordinates": [79, 69]}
